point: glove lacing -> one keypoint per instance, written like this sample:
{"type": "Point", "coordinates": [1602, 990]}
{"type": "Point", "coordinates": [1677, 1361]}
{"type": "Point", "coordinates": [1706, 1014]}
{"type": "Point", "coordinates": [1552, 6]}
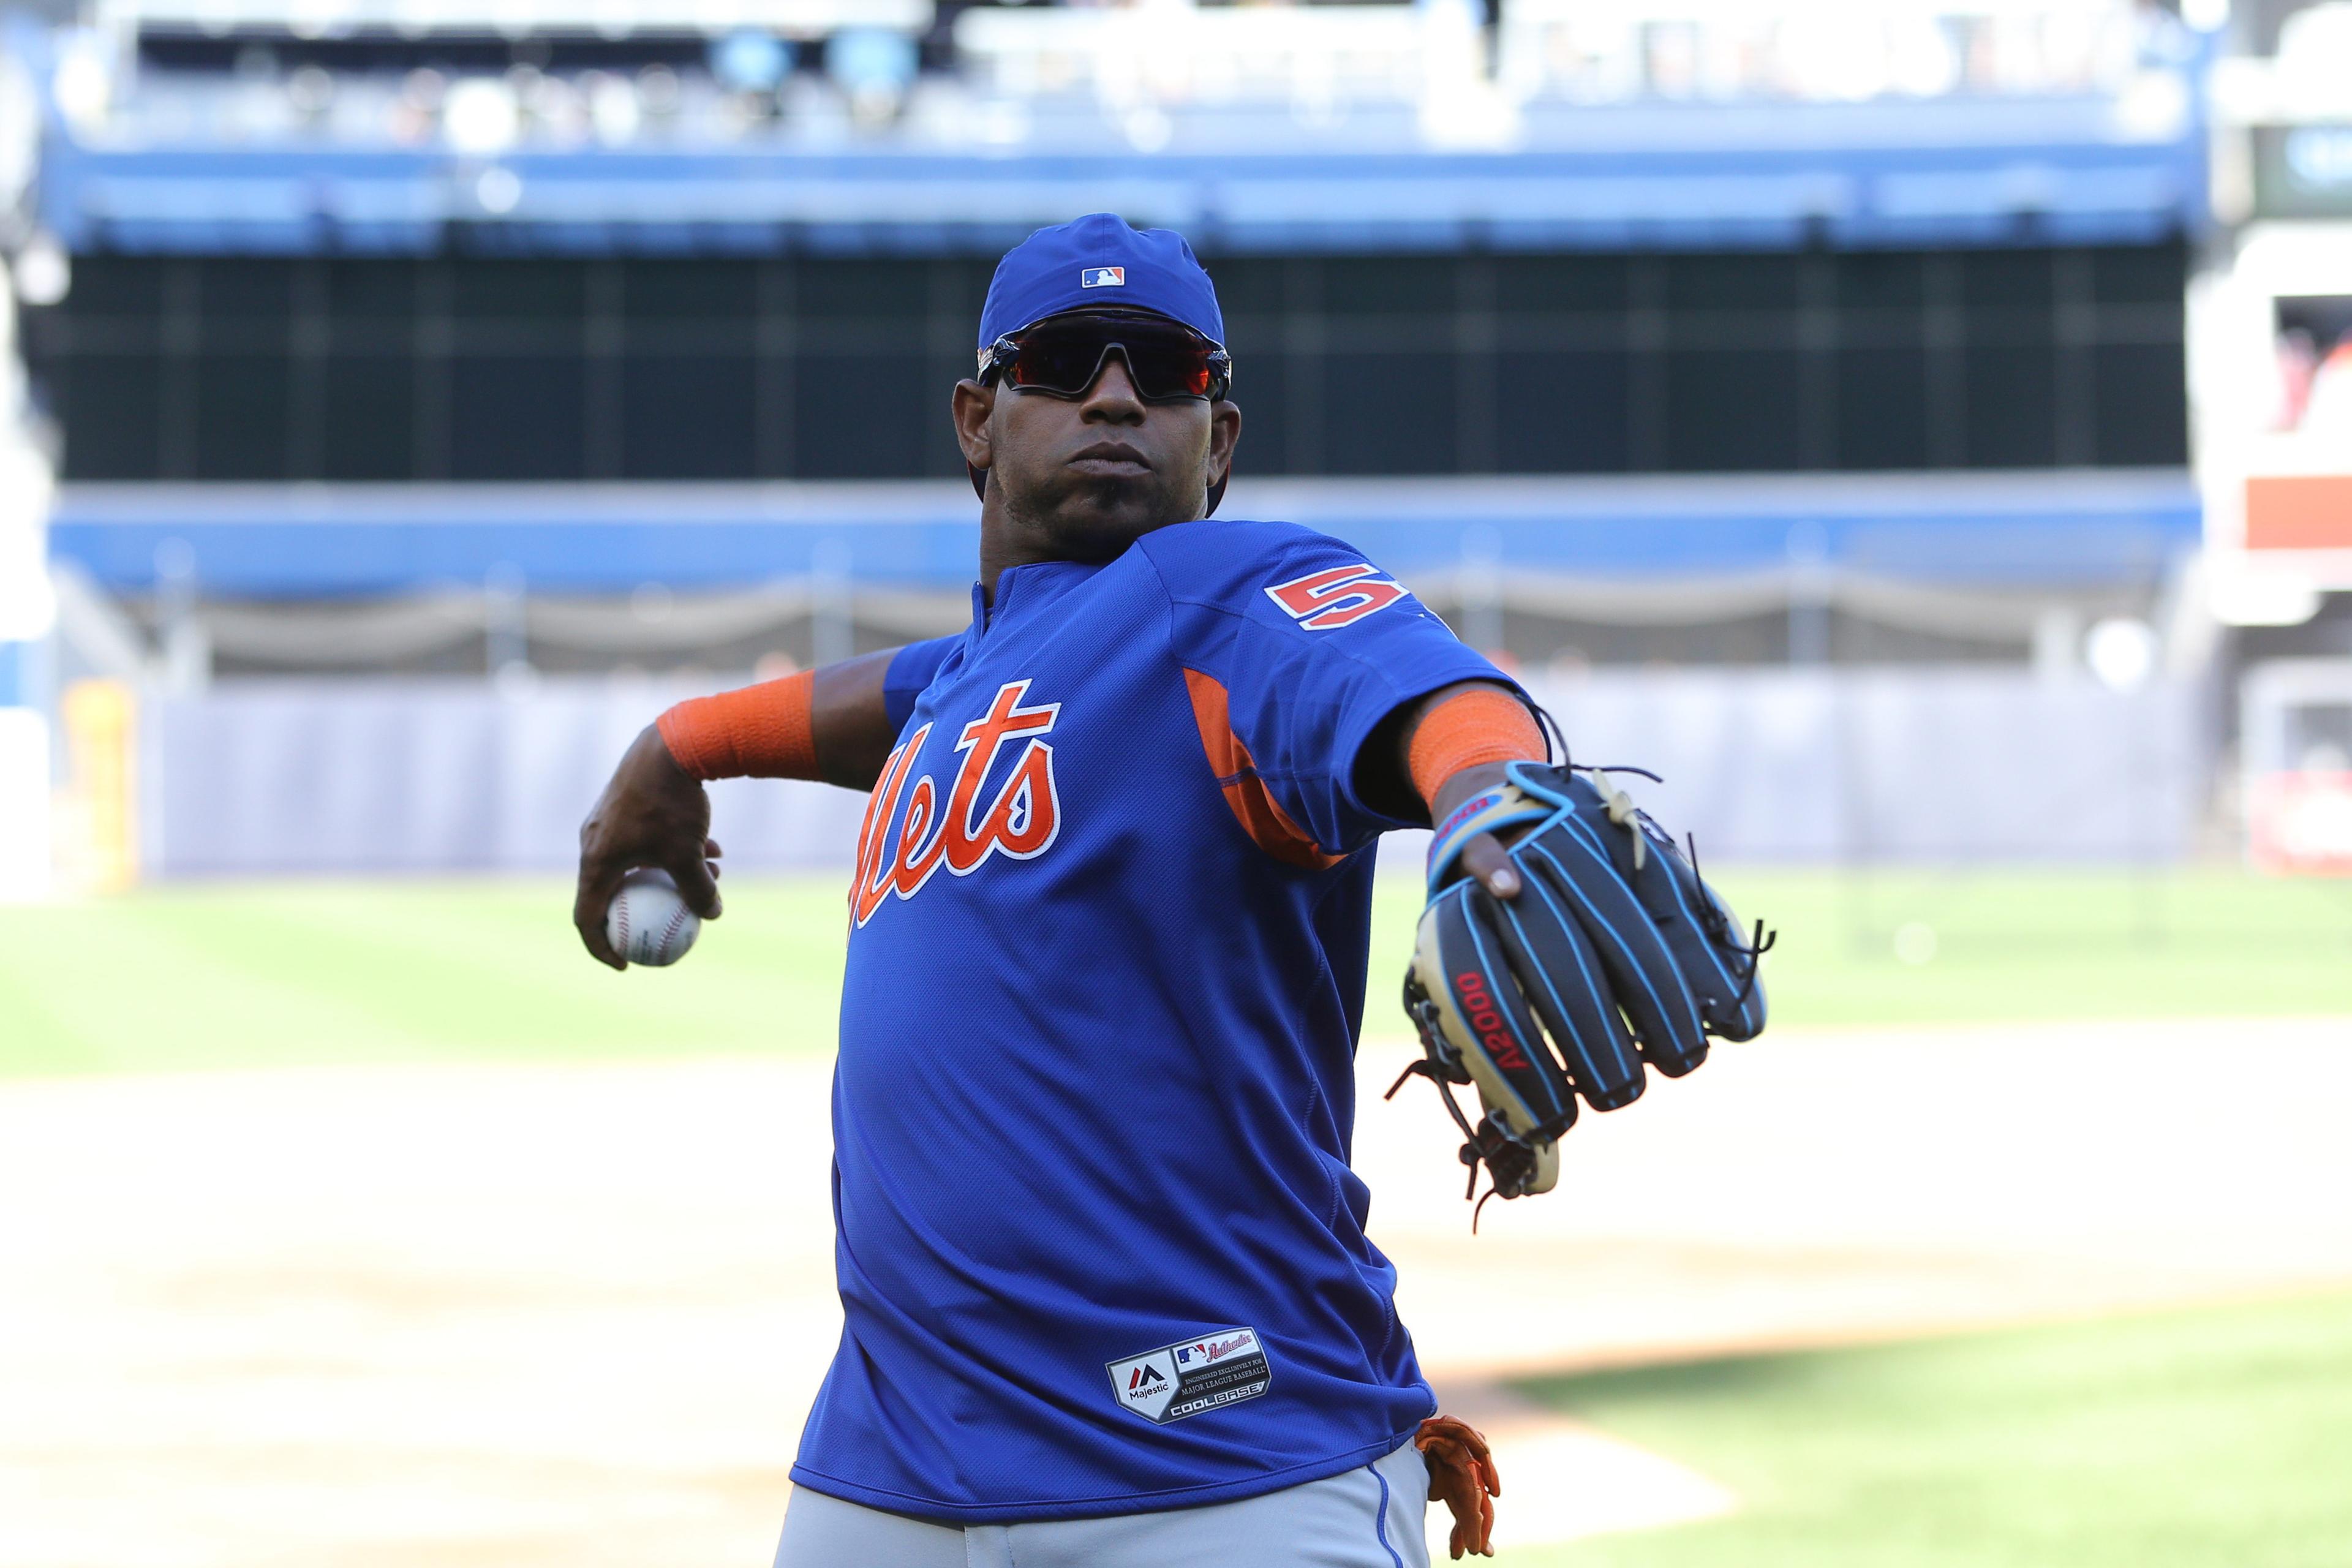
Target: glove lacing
{"type": "Point", "coordinates": [1509, 1157]}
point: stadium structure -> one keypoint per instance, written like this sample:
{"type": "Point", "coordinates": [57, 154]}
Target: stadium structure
{"type": "Point", "coordinates": [431, 387]}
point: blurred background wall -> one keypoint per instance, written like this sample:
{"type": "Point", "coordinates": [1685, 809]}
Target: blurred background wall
{"type": "Point", "coordinates": [1920, 432]}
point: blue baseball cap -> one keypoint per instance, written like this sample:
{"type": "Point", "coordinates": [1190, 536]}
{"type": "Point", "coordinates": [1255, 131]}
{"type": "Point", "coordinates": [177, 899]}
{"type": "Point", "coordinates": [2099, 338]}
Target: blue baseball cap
{"type": "Point", "coordinates": [1099, 260]}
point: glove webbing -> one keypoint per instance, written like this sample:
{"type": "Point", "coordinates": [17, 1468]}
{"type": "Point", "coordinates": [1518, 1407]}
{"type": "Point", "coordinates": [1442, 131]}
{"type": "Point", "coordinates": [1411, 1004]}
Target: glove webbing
{"type": "Point", "coordinates": [1509, 1161]}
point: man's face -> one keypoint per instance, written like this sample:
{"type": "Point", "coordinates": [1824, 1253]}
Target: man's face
{"type": "Point", "coordinates": [1082, 477]}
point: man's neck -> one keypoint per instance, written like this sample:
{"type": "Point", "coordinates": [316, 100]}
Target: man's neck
{"type": "Point", "coordinates": [1007, 540]}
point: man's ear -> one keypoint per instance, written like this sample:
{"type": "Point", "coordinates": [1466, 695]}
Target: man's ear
{"type": "Point", "coordinates": [972, 406]}
{"type": "Point", "coordinates": [1224, 435]}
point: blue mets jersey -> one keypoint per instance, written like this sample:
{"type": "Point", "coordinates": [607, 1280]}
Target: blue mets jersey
{"type": "Point", "coordinates": [1100, 1249]}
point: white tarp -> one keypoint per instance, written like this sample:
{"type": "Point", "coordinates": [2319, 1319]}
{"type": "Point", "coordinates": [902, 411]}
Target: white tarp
{"type": "Point", "coordinates": [424, 776]}
{"type": "Point", "coordinates": [357, 776]}
{"type": "Point", "coordinates": [1901, 764]}
{"type": "Point", "coordinates": [24, 804]}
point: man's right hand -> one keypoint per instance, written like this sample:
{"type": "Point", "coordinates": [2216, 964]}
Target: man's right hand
{"type": "Point", "coordinates": [653, 813]}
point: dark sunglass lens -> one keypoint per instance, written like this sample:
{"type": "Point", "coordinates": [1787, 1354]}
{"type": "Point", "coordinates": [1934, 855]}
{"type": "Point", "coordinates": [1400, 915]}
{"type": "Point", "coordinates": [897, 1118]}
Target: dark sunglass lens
{"type": "Point", "coordinates": [1057, 362]}
{"type": "Point", "coordinates": [1167, 368]}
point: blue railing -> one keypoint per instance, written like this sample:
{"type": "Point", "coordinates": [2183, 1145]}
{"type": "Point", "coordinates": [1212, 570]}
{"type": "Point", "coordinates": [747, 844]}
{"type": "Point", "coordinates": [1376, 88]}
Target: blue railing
{"type": "Point", "coordinates": [2073, 528]}
{"type": "Point", "coordinates": [293, 200]}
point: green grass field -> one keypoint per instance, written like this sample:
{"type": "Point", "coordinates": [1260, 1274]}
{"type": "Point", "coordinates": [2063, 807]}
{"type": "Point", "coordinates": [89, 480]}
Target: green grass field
{"type": "Point", "coordinates": [2216, 1439]}
{"type": "Point", "coordinates": [256, 974]}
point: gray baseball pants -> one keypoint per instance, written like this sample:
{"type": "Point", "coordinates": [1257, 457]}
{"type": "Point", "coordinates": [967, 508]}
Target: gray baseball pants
{"type": "Point", "coordinates": [1370, 1516]}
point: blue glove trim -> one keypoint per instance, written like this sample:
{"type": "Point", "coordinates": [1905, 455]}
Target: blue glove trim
{"type": "Point", "coordinates": [1489, 811]}
{"type": "Point", "coordinates": [1541, 781]}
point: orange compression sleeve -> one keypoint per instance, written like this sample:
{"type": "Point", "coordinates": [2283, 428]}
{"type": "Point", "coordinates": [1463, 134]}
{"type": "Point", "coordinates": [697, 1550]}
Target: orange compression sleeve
{"type": "Point", "coordinates": [1484, 724]}
{"type": "Point", "coordinates": [763, 731]}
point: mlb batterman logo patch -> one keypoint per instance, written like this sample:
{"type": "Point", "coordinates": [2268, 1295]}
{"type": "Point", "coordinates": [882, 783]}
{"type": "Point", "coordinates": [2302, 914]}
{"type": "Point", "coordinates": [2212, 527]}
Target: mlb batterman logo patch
{"type": "Point", "coordinates": [1220, 1368]}
{"type": "Point", "coordinates": [1103, 278]}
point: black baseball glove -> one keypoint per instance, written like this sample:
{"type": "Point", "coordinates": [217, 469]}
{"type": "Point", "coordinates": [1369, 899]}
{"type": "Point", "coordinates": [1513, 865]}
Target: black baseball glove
{"type": "Point", "coordinates": [1614, 954]}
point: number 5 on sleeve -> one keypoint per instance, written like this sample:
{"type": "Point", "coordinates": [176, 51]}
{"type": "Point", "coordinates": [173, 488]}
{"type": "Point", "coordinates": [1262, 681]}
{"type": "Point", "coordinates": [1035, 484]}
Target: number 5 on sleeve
{"type": "Point", "coordinates": [1336, 596]}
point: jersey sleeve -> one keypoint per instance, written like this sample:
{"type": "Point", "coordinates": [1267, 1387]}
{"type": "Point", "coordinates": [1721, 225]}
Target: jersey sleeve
{"type": "Point", "coordinates": [911, 668]}
{"type": "Point", "coordinates": [1293, 648]}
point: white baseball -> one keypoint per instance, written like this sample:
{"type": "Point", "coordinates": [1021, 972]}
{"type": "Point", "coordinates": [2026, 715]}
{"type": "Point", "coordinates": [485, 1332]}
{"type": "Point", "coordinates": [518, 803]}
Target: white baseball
{"type": "Point", "coordinates": [648, 923]}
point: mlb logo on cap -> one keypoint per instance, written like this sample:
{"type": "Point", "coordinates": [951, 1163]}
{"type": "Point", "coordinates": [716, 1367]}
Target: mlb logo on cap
{"type": "Point", "coordinates": [1103, 278]}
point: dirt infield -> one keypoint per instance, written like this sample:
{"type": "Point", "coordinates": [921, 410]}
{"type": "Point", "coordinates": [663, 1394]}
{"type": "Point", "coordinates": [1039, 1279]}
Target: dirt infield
{"type": "Point", "coordinates": [525, 1316]}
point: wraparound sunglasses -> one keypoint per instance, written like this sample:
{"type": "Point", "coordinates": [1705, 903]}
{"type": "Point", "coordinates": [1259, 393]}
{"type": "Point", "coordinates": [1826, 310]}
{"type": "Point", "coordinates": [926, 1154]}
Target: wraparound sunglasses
{"type": "Point", "coordinates": [1166, 360]}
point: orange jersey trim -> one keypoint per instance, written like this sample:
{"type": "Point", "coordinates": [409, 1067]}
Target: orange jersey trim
{"type": "Point", "coordinates": [1484, 724]}
{"type": "Point", "coordinates": [763, 731]}
{"type": "Point", "coordinates": [1260, 815]}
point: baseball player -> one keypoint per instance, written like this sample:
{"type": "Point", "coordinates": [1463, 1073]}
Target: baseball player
{"type": "Point", "coordinates": [1108, 1294]}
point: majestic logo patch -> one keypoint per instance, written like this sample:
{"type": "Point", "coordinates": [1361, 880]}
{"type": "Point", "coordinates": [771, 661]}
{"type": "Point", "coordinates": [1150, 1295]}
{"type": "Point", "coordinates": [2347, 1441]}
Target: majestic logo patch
{"type": "Point", "coordinates": [1336, 596]}
{"type": "Point", "coordinates": [1193, 1375]}
{"type": "Point", "coordinates": [1020, 823]}
{"type": "Point", "coordinates": [1103, 278]}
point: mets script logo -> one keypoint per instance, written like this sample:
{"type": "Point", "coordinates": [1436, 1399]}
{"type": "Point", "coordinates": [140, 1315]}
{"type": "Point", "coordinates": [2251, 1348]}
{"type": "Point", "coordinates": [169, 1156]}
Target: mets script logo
{"type": "Point", "coordinates": [1019, 822]}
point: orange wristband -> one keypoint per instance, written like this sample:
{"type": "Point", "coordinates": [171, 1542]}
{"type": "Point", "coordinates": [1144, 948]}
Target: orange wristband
{"type": "Point", "coordinates": [1484, 724]}
{"type": "Point", "coordinates": [763, 731]}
